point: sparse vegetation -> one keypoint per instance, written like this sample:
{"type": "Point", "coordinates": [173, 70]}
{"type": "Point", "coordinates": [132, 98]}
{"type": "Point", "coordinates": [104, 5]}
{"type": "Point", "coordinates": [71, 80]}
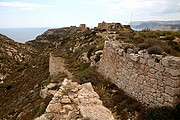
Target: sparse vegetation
{"type": "Point", "coordinates": [71, 45]}
{"type": "Point", "coordinates": [147, 39]}
{"type": "Point", "coordinates": [154, 50]}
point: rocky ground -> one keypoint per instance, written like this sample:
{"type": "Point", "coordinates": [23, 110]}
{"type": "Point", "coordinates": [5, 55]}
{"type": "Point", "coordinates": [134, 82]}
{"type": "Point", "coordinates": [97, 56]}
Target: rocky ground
{"type": "Point", "coordinates": [12, 54]}
{"type": "Point", "coordinates": [25, 72]}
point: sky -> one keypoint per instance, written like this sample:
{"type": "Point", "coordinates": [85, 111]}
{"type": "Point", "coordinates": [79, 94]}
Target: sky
{"type": "Point", "coordinates": [62, 13]}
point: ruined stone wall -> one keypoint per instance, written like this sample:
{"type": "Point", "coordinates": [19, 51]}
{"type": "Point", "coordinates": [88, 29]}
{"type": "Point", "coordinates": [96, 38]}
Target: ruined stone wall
{"type": "Point", "coordinates": [109, 26]}
{"type": "Point", "coordinates": [151, 79]}
{"type": "Point", "coordinates": [76, 102]}
{"type": "Point", "coordinates": [56, 65]}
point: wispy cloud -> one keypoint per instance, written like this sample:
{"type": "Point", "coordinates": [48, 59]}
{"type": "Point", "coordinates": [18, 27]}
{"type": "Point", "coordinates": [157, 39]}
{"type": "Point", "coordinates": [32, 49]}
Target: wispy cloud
{"type": "Point", "coordinates": [23, 5]}
{"type": "Point", "coordinates": [151, 7]}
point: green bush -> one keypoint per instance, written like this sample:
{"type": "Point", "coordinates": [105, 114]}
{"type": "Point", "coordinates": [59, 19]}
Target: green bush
{"type": "Point", "coordinates": [143, 46]}
{"type": "Point", "coordinates": [155, 50]}
{"type": "Point", "coordinates": [163, 113]}
{"type": "Point", "coordinates": [88, 75]}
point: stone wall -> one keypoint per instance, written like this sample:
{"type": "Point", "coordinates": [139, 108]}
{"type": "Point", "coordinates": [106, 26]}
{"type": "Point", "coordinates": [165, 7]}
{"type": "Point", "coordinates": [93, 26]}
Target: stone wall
{"type": "Point", "coordinates": [76, 102]}
{"type": "Point", "coordinates": [151, 79]}
{"type": "Point", "coordinates": [109, 26]}
{"type": "Point", "coordinates": [56, 65]}
{"type": "Point", "coordinates": [83, 27]}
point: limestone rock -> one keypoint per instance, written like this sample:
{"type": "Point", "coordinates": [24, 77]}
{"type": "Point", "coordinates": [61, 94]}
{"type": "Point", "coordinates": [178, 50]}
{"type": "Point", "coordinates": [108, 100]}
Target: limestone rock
{"type": "Point", "coordinates": [76, 102]}
{"type": "Point", "coordinates": [151, 62]}
{"type": "Point", "coordinates": [134, 57]}
{"type": "Point", "coordinates": [96, 112]}
{"type": "Point", "coordinates": [51, 85]}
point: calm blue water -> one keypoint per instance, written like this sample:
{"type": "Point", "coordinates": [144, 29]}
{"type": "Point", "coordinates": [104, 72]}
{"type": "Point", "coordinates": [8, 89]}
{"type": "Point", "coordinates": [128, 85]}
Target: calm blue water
{"type": "Point", "coordinates": [22, 35]}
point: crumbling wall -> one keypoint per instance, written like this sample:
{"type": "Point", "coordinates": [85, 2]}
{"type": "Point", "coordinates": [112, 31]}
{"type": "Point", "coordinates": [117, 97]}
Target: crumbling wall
{"type": "Point", "coordinates": [151, 79]}
{"type": "Point", "coordinates": [109, 26]}
{"type": "Point", "coordinates": [56, 65]}
{"type": "Point", "coordinates": [76, 102]}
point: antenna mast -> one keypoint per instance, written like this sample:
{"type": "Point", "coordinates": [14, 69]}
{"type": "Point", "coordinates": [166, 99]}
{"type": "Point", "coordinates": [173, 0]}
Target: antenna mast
{"type": "Point", "coordinates": [131, 15]}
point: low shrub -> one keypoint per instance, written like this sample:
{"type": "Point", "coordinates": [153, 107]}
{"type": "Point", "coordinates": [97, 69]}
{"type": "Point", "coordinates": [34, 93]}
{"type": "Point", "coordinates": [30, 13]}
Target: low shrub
{"type": "Point", "coordinates": [155, 50]}
{"type": "Point", "coordinates": [143, 46]}
{"type": "Point", "coordinates": [138, 39]}
{"type": "Point", "coordinates": [128, 46]}
{"type": "Point", "coordinates": [163, 113]}
{"type": "Point", "coordinates": [88, 75]}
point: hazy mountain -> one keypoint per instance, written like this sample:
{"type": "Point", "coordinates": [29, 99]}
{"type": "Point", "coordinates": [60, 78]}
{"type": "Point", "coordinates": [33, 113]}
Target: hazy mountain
{"type": "Point", "coordinates": [157, 25]}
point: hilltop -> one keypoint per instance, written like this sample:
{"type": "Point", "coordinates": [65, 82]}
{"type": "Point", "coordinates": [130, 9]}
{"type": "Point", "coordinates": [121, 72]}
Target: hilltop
{"type": "Point", "coordinates": [80, 50]}
{"type": "Point", "coordinates": [12, 54]}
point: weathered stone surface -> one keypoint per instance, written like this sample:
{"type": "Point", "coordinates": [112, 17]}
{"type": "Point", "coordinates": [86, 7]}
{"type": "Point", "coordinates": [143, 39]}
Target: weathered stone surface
{"type": "Point", "coordinates": [96, 112]}
{"type": "Point", "coordinates": [120, 52]}
{"type": "Point", "coordinates": [173, 72]}
{"type": "Point", "coordinates": [151, 62]}
{"type": "Point", "coordinates": [165, 61]}
{"type": "Point", "coordinates": [158, 76]}
{"type": "Point", "coordinates": [160, 100]}
{"type": "Point", "coordinates": [142, 60]}
{"type": "Point", "coordinates": [73, 102]}
{"type": "Point", "coordinates": [170, 91]}
{"type": "Point", "coordinates": [51, 85]}
{"type": "Point", "coordinates": [56, 108]}
{"type": "Point", "coordinates": [159, 67]}
{"type": "Point", "coordinates": [129, 50]}
{"type": "Point", "coordinates": [175, 62]}
{"type": "Point", "coordinates": [152, 77]}
{"type": "Point", "coordinates": [44, 93]}
{"type": "Point", "coordinates": [65, 99]}
{"type": "Point", "coordinates": [134, 57]}
{"type": "Point", "coordinates": [172, 83]}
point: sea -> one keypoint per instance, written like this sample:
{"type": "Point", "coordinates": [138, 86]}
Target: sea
{"type": "Point", "coordinates": [22, 35]}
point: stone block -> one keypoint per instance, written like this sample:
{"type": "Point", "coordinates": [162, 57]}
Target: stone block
{"type": "Point", "coordinates": [158, 93]}
{"type": "Point", "coordinates": [173, 72]}
{"type": "Point", "coordinates": [142, 60]}
{"type": "Point", "coordinates": [151, 62]}
{"type": "Point", "coordinates": [160, 100]}
{"type": "Point", "coordinates": [134, 57]}
{"type": "Point", "coordinates": [167, 104]}
{"type": "Point", "coordinates": [170, 91]}
{"type": "Point", "coordinates": [153, 90]}
{"type": "Point", "coordinates": [96, 112]}
{"type": "Point", "coordinates": [65, 99]}
{"type": "Point", "coordinates": [146, 55]}
{"type": "Point", "coordinates": [146, 100]}
{"type": "Point", "coordinates": [120, 52]}
{"type": "Point", "coordinates": [175, 62]}
{"type": "Point", "coordinates": [161, 89]}
{"type": "Point", "coordinates": [165, 61]}
{"type": "Point", "coordinates": [130, 65]}
{"type": "Point", "coordinates": [153, 82]}
{"type": "Point", "coordinates": [171, 82]}
{"type": "Point", "coordinates": [169, 99]}
{"type": "Point", "coordinates": [129, 50]}
{"type": "Point", "coordinates": [56, 108]}
{"type": "Point", "coordinates": [107, 44]}
{"type": "Point", "coordinates": [158, 76]}
{"type": "Point", "coordinates": [152, 70]}
{"type": "Point", "coordinates": [159, 67]}
{"type": "Point", "coordinates": [150, 75]}
{"type": "Point", "coordinates": [154, 86]}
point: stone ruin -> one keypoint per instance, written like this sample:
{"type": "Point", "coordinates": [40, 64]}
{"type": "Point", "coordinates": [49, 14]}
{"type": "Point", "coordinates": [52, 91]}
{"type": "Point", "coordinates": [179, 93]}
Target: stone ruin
{"type": "Point", "coordinates": [83, 27]}
{"type": "Point", "coordinates": [76, 102]}
{"type": "Point", "coordinates": [151, 79]}
{"type": "Point", "coordinates": [113, 26]}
